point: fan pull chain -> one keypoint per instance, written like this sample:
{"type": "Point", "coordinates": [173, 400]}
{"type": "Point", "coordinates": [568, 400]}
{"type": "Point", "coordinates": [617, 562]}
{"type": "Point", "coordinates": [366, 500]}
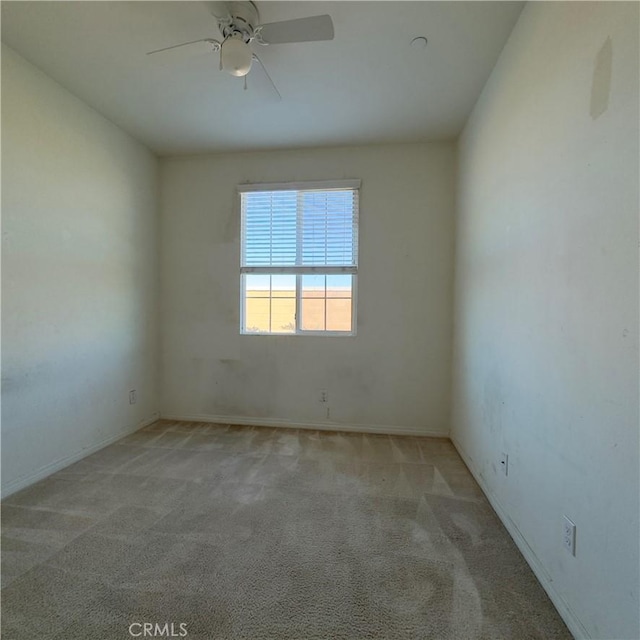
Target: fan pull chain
{"type": "Point", "coordinates": [245, 83]}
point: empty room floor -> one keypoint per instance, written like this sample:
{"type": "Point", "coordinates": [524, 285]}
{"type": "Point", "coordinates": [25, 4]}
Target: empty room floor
{"type": "Point", "coordinates": [251, 532]}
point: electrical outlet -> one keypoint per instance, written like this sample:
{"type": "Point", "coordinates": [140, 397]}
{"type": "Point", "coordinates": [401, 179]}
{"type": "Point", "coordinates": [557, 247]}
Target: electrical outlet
{"type": "Point", "coordinates": [504, 463]}
{"type": "Point", "coordinates": [569, 536]}
{"type": "Point", "coordinates": [133, 396]}
{"type": "Point", "coordinates": [323, 395]}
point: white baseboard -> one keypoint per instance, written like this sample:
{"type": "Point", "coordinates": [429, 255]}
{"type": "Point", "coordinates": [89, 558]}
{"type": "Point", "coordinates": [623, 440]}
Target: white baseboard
{"type": "Point", "coordinates": [319, 426]}
{"type": "Point", "coordinates": [571, 620]}
{"type": "Point", "coordinates": [24, 481]}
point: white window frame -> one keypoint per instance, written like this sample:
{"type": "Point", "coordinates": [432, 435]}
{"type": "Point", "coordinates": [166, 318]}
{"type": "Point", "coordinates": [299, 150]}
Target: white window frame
{"type": "Point", "coordinates": [298, 271]}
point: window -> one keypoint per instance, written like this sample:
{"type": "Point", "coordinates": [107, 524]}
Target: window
{"type": "Point", "coordinates": [299, 260]}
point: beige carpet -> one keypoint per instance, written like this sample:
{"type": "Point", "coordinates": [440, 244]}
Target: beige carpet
{"type": "Point", "coordinates": [241, 532]}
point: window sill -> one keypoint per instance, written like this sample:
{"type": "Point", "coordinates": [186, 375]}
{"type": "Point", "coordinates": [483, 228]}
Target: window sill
{"type": "Point", "coordinates": [304, 334]}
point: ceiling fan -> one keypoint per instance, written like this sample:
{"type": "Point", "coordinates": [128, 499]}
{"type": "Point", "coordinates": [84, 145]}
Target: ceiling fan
{"type": "Point", "coordinates": [239, 24]}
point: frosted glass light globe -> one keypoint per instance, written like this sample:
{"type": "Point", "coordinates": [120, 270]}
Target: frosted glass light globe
{"type": "Point", "coordinates": [235, 55]}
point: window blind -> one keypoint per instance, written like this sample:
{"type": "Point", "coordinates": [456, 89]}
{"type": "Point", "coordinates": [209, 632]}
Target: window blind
{"type": "Point", "coordinates": [300, 230]}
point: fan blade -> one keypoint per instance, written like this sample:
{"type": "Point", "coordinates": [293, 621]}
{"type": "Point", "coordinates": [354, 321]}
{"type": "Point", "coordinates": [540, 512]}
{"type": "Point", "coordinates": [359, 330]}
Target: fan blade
{"type": "Point", "coordinates": [300, 30]}
{"type": "Point", "coordinates": [214, 43]}
{"type": "Point", "coordinates": [218, 9]}
{"type": "Point", "coordinates": [266, 73]}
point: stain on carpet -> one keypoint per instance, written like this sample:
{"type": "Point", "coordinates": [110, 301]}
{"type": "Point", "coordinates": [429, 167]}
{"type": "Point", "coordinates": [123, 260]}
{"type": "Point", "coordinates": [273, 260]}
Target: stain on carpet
{"type": "Point", "coordinates": [257, 533]}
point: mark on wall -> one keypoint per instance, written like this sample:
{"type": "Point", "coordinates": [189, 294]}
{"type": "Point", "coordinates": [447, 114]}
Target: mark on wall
{"type": "Point", "coordinates": [233, 391]}
{"type": "Point", "coordinates": [231, 231]}
{"type": "Point", "coordinates": [361, 381]}
{"type": "Point", "coordinates": [492, 405]}
{"type": "Point", "coordinates": [601, 82]}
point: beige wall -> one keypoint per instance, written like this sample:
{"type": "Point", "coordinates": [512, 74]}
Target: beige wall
{"type": "Point", "coordinates": [546, 313]}
{"type": "Point", "coordinates": [79, 277]}
{"type": "Point", "coordinates": [394, 375]}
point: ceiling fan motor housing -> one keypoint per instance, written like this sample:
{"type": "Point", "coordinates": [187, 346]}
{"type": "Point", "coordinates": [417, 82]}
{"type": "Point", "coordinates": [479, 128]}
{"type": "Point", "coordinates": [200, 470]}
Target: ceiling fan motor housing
{"type": "Point", "coordinates": [242, 21]}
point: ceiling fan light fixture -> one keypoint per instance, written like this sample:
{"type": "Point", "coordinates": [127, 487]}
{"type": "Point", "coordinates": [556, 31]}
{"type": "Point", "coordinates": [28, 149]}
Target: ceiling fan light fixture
{"type": "Point", "coordinates": [236, 56]}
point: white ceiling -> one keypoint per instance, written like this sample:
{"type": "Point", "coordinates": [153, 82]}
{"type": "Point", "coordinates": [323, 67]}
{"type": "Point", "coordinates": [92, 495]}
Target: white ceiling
{"type": "Point", "coordinates": [367, 85]}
